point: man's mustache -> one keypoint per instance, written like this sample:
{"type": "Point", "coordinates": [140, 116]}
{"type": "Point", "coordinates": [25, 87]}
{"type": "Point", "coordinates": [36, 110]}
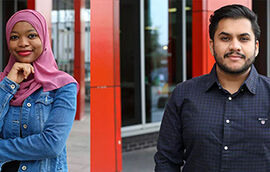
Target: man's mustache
{"type": "Point", "coordinates": [232, 52]}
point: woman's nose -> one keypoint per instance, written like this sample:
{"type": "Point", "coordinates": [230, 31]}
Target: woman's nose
{"type": "Point", "coordinates": [23, 42]}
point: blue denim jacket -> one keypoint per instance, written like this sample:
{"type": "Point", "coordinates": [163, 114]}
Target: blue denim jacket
{"type": "Point", "coordinates": [36, 132]}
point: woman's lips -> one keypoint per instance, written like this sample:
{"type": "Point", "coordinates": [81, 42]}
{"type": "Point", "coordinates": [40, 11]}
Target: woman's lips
{"type": "Point", "coordinates": [24, 53]}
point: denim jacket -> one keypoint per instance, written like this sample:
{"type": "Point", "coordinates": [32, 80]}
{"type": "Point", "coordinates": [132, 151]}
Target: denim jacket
{"type": "Point", "coordinates": [36, 132]}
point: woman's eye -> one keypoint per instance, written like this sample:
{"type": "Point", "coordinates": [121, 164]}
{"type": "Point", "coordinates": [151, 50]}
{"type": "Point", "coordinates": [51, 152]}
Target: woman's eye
{"type": "Point", "coordinates": [32, 36]}
{"type": "Point", "coordinates": [14, 37]}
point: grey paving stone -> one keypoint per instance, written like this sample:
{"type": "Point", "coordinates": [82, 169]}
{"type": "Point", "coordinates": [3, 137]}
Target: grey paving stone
{"type": "Point", "coordinates": [78, 144]}
{"type": "Point", "coordinates": [139, 160]}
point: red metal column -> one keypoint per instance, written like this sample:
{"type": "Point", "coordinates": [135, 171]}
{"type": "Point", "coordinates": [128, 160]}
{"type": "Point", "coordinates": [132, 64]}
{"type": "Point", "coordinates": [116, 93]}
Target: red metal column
{"type": "Point", "coordinates": [105, 95]}
{"type": "Point", "coordinates": [79, 46]}
{"type": "Point", "coordinates": [202, 60]}
{"type": "Point", "coordinates": [31, 4]}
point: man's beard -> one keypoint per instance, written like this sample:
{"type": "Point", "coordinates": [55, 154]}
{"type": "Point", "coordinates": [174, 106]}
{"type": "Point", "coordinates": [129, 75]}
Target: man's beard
{"type": "Point", "coordinates": [241, 70]}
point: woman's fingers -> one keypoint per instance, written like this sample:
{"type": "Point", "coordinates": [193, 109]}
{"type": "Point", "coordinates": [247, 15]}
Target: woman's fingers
{"type": "Point", "coordinates": [27, 70]}
{"type": "Point", "coordinates": [32, 68]}
{"type": "Point", "coordinates": [20, 71]}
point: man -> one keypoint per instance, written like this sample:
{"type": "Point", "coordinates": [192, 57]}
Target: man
{"type": "Point", "coordinates": [220, 122]}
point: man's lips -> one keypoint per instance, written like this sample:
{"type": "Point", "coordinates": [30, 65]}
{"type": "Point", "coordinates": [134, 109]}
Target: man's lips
{"type": "Point", "coordinates": [24, 53]}
{"type": "Point", "coordinates": [234, 55]}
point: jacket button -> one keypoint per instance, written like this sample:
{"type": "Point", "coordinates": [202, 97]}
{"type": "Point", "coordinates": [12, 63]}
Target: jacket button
{"type": "Point", "coordinates": [12, 86]}
{"type": "Point", "coordinates": [28, 104]}
{"type": "Point", "coordinates": [24, 126]}
{"type": "Point", "coordinates": [24, 168]}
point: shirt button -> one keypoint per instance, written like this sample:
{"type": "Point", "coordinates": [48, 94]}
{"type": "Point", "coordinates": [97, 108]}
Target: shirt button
{"type": "Point", "coordinates": [230, 98]}
{"type": "Point", "coordinates": [226, 148]}
{"type": "Point", "coordinates": [28, 104]}
{"type": "Point", "coordinates": [24, 126]}
{"type": "Point", "coordinates": [12, 86]}
{"type": "Point", "coordinates": [227, 121]}
{"type": "Point", "coordinates": [24, 168]}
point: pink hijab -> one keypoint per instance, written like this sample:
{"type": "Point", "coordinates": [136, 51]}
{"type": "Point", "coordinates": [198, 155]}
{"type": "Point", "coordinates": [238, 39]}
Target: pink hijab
{"type": "Point", "coordinates": [46, 74]}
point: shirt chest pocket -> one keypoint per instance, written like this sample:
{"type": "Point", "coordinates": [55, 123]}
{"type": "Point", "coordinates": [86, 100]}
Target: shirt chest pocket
{"type": "Point", "coordinates": [258, 128]}
{"type": "Point", "coordinates": [43, 108]}
{"type": "Point", "coordinates": [252, 131]}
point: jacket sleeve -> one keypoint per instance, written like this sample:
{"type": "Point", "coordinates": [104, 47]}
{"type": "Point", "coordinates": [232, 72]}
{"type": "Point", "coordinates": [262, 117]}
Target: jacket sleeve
{"type": "Point", "coordinates": [7, 90]}
{"type": "Point", "coordinates": [170, 148]}
{"type": "Point", "coordinates": [51, 142]}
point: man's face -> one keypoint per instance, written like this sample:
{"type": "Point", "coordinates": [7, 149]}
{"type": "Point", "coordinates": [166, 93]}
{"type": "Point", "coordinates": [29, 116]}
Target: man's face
{"type": "Point", "coordinates": [234, 46]}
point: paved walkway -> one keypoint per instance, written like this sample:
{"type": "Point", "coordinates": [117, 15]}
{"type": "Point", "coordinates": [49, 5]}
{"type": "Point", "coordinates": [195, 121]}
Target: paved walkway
{"type": "Point", "coordinates": [78, 150]}
{"type": "Point", "coordinates": [139, 160]}
{"type": "Point", "coordinates": [78, 144]}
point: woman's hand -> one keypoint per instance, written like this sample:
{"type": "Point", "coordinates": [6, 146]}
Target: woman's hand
{"type": "Point", "coordinates": [20, 72]}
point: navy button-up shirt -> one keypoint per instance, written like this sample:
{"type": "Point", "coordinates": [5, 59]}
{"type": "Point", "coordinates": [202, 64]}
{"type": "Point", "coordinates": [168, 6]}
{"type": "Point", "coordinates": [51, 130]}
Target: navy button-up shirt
{"type": "Point", "coordinates": [207, 129]}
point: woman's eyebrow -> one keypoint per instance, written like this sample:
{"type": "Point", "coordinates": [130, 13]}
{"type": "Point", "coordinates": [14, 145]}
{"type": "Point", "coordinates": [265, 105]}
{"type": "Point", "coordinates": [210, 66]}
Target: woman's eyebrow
{"type": "Point", "coordinates": [30, 30]}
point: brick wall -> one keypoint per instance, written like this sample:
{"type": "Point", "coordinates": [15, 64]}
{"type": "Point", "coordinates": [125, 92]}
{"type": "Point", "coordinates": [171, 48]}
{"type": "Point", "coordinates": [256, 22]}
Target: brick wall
{"type": "Point", "coordinates": [139, 142]}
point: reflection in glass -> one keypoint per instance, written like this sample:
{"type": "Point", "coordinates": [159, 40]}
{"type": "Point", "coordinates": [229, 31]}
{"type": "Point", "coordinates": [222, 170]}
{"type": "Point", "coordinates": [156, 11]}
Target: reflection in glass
{"type": "Point", "coordinates": [86, 16]}
{"type": "Point", "coordinates": [163, 54]}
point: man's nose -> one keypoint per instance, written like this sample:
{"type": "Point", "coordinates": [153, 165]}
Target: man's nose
{"type": "Point", "coordinates": [23, 42]}
{"type": "Point", "coordinates": [235, 45]}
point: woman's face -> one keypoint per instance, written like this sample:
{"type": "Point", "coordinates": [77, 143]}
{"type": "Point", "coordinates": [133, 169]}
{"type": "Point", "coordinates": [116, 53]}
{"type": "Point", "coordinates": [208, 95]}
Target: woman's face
{"type": "Point", "coordinates": [24, 43]}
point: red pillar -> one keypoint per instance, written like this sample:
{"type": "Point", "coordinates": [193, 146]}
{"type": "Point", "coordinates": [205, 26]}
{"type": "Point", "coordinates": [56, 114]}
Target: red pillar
{"type": "Point", "coordinates": [31, 4]}
{"type": "Point", "coordinates": [105, 95]}
{"type": "Point", "coordinates": [202, 60]}
{"type": "Point", "coordinates": [79, 46]}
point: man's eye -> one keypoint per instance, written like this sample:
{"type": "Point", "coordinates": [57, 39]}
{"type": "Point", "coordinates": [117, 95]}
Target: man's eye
{"type": "Point", "coordinates": [14, 37]}
{"type": "Point", "coordinates": [244, 39]}
{"type": "Point", "coordinates": [32, 36]}
{"type": "Point", "coordinates": [225, 38]}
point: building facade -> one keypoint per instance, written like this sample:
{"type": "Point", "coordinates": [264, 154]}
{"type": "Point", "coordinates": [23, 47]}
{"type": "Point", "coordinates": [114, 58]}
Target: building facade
{"type": "Point", "coordinates": [140, 50]}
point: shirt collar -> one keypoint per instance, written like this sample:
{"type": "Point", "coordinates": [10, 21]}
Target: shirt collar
{"type": "Point", "coordinates": [250, 82]}
{"type": "Point", "coordinates": [212, 79]}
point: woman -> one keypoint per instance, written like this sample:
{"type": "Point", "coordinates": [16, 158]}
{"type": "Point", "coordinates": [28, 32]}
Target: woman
{"type": "Point", "coordinates": [38, 102]}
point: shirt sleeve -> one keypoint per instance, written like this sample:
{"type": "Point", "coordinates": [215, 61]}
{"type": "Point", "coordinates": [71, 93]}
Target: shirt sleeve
{"type": "Point", "coordinates": [7, 90]}
{"type": "Point", "coordinates": [170, 149]}
{"type": "Point", "coordinates": [51, 142]}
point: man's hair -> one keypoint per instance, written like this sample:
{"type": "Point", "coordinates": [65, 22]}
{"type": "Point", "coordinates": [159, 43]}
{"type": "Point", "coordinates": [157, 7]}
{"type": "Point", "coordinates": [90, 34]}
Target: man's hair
{"type": "Point", "coordinates": [235, 11]}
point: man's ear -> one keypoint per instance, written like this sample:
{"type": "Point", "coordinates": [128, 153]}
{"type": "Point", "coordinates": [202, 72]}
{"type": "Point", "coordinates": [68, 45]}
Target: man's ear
{"type": "Point", "coordinates": [211, 45]}
{"type": "Point", "coordinates": [257, 48]}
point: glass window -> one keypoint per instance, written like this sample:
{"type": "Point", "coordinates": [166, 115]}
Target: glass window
{"type": "Point", "coordinates": [130, 62]}
{"type": "Point", "coordinates": [260, 8]}
{"type": "Point", "coordinates": [165, 45]}
{"type": "Point", "coordinates": [63, 34]}
{"type": "Point", "coordinates": [63, 38]}
{"type": "Point", "coordinates": [7, 9]}
{"type": "Point", "coordinates": [87, 50]}
{"type": "Point", "coordinates": [163, 53]}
